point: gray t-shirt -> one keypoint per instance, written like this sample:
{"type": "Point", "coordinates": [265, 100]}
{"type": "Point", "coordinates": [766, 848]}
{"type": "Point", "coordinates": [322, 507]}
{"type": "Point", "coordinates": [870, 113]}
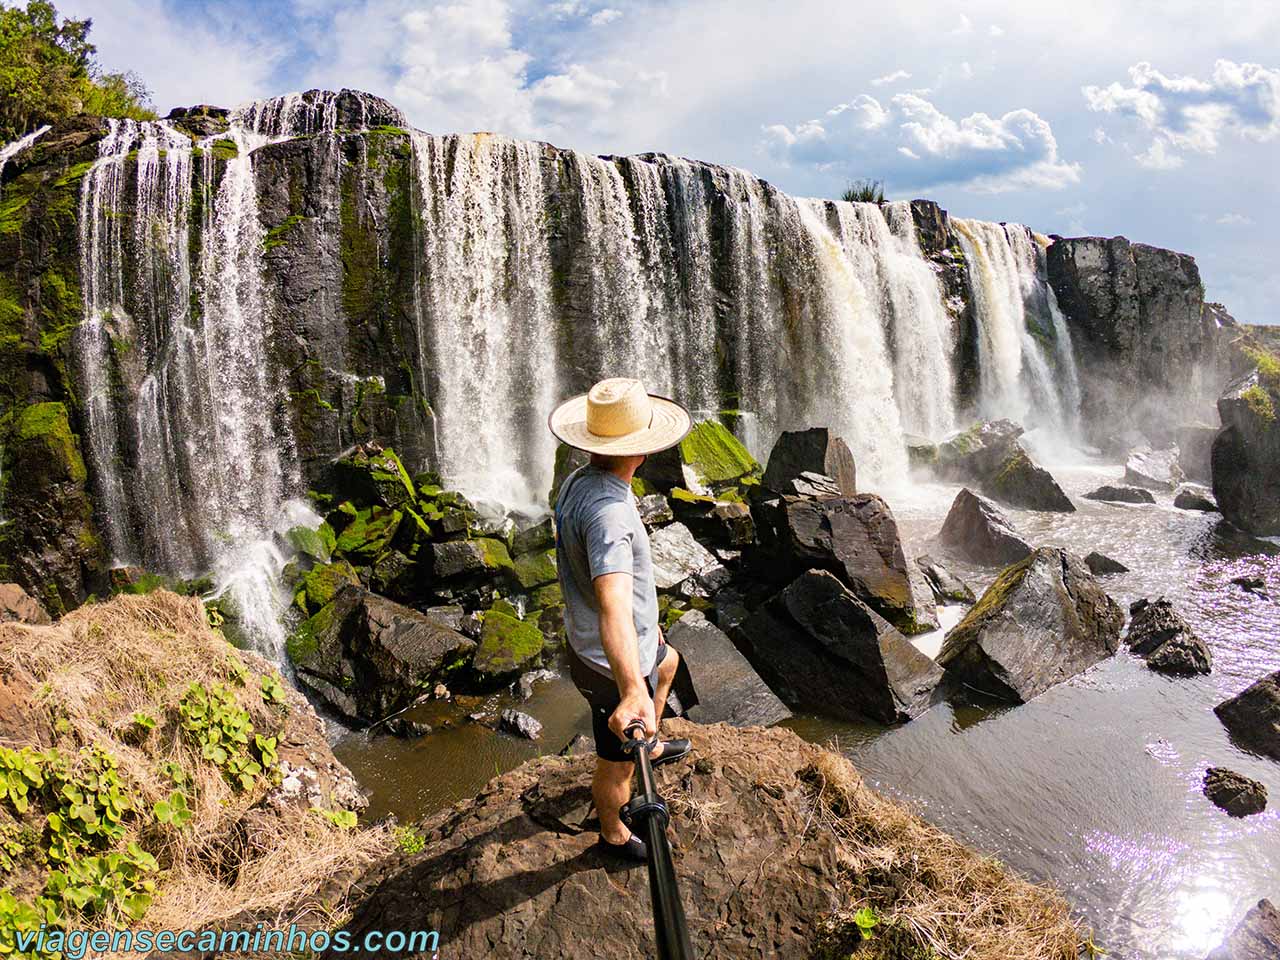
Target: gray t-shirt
{"type": "Point", "coordinates": [599, 531]}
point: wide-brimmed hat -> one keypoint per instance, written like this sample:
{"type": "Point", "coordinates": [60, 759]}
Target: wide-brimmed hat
{"type": "Point", "coordinates": [619, 418]}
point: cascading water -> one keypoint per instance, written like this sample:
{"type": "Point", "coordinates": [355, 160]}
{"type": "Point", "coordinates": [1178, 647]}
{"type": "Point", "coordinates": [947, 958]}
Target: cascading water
{"type": "Point", "coordinates": [11, 150]}
{"type": "Point", "coordinates": [1017, 314]}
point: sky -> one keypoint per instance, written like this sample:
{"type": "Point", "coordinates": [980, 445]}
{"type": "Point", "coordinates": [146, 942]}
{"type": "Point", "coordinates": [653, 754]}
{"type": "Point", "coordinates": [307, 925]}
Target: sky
{"type": "Point", "coordinates": [1156, 121]}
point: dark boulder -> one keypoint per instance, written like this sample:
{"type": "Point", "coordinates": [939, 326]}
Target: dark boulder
{"type": "Point", "coordinates": [1257, 937]}
{"type": "Point", "coordinates": [1153, 469]}
{"type": "Point", "coordinates": [857, 539]}
{"type": "Point", "coordinates": [1192, 498]}
{"type": "Point", "coordinates": [520, 724]}
{"type": "Point", "coordinates": [976, 530]}
{"type": "Point", "coordinates": [369, 657]}
{"type": "Point", "coordinates": [677, 557]}
{"type": "Point", "coordinates": [946, 586]}
{"type": "Point", "coordinates": [1246, 454]}
{"type": "Point", "coordinates": [655, 511]}
{"type": "Point", "coordinates": [826, 650]}
{"type": "Point", "coordinates": [1253, 715]}
{"type": "Point", "coordinates": [1020, 482]}
{"type": "Point", "coordinates": [813, 451]}
{"type": "Point", "coordinates": [534, 537]}
{"type": "Point", "coordinates": [1101, 565]}
{"type": "Point", "coordinates": [729, 690]}
{"type": "Point", "coordinates": [1042, 621]}
{"type": "Point", "coordinates": [1159, 635]}
{"type": "Point", "coordinates": [18, 605]}
{"type": "Point", "coordinates": [507, 645]}
{"type": "Point", "coordinates": [977, 453]}
{"type": "Point", "coordinates": [568, 459]}
{"type": "Point", "coordinates": [1234, 793]}
{"type": "Point", "coordinates": [1111, 493]}
{"type": "Point", "coordinates": [1252, 584]}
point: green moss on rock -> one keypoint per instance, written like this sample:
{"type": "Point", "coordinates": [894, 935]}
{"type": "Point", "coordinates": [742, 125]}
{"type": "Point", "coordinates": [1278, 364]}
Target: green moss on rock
{"type": "Point", "coordinates": [321, 584]}
{"type": "Point", "coordinates": [303, 644]}
{"type": "Point", "coordinates": [368, 533]}
{"type": "Point", "coordinates": [310, 542]}
{"type": "Point", "coordinates": [507, 645]}
{"type": "Point", "coordinates": [715, 454]}
{"type": "Point", "coordinates": [535, 569]}
{"type": "Point", "coordinates": [47, 426]}
{"type": "Point", "coordinates": [494, 553]}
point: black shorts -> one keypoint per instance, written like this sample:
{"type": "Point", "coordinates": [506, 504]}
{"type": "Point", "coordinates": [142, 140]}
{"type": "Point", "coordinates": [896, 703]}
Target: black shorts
{"type": "Point", "coordinates": [602, 693]}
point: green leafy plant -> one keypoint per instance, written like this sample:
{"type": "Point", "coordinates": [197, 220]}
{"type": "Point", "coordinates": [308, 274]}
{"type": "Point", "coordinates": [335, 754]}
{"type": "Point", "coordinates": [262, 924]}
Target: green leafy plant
{"type": "Point", "coordinates": [215, 722]}
{"type": "Point", "coordinates": [864, 191]}
{"type": "Point", "coordinates": [272, 689]}
{"type": "Point", "coordinates": [91, 885]}
{"type": "Point", "coordinates": [21, 771]}
{"type": "Point", "coordinates": [13, 844]}
{"type": "Point", "coordinates": [344, 819]}
{"type": "Point", "coordinates": [410, 840]}
{"type": "Point", "coordinates": [173, 811]}
{"type": "Point", "coordinates": [866, 920]}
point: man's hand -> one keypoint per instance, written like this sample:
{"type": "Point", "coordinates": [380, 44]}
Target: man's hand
{"type": "Point", "coordinates": [634, 706]}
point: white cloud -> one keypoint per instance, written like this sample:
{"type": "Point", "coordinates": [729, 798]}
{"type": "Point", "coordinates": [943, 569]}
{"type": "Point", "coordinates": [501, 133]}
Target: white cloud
{"type": "Point", "coordinates": [964, 26]}
{"type": "Point", "coordinates": [891, 78]}
{"type": "Point", "coordinates": [1235, 220]}
{"type": "Point", "coordinates": [966, 71]}
{"type": "Point", "coordinates": [995, 30]}
{"type": "Point", "coordinates": [910, 142]}
{"type": "Point", "coordinates": [1186, 114]}
{"type": "Point", "coordinates": [602, 17]}
{"type": "Point", "coordinates": [1099, 135]}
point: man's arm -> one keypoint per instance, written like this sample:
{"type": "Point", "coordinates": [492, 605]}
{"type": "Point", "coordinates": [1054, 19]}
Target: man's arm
{"type": "Point", "coordinates": [618, 637]}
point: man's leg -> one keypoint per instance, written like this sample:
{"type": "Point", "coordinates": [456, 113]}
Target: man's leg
{"type": "Point", "coordinates": [666, 676]}
{"type": "Point", "coordinates": [611, 789]}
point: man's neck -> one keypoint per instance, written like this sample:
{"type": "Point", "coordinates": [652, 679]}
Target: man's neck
{"type": "Point", "coordinates": [622, 468]}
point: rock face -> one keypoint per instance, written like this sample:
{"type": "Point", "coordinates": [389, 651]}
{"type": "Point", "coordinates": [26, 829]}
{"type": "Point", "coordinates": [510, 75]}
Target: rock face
{"type": "Point", "coordinates": [977, 530]}
{"type": "Point", "coordinates": [1253, 715]}
{"type": "Point", "coordinates": [1153, 469]}
{"type": "Point", "coordinates": [1234, 793]}
{"type": "Point", "coordinates": [1020, 482]}
{"type": "Point", "coordinates": [1246, 454]}
{"type": "Point", "coordinates": [677, 556]}
{"type": "Point", "coordinates": [729, 690]}
{"type": "Point", "coordinates": [368, 657]}
{"type": "Point", "coordinates": [856, 538]}
{"type": "Point", "coordinates": [1044, 620]}
{"type": "Point", "coordinates": [810, 451]}
{"type": "Point", "coordinates": [990, 456]}
{"type": "Point", "coordinates": [826, 650]}
{"type": "Point", "coordinates": [17, 604]}
{"type": "Point", "coordinates": [1109, 493]}
{"type": "Point", "coordinates": [1159, 635]}
{"type": "Point", "coordinates": [1195, 450]}
{"type": "Point", "coordinates": [1256, 938]}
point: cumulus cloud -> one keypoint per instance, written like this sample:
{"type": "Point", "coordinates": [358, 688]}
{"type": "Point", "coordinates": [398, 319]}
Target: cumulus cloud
{"type": "Point", "coordinates": [910, 142]}
{"type": "Point", "coordinates": [602, 17]}
{"type": "Point", "coordinates": [995, 30]}
{"type": "Point", "coordinates": [891, 78]}
{"type": "Point", "coordinates": [1235, 220]}
{"type": "Point", "coordinates": [1185, 114]}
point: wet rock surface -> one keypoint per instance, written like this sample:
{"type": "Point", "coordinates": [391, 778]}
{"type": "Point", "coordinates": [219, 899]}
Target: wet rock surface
{"type": "Point", "coordinates": [1246, 454]}
{"type": "Point", "coordinates": [728, 687]}
{"type": "Point", "coordinates": [1153, 469]}
{"type": "Point", "coordinates": [1101, 565]}
{"type": "Point", "coordinates": [976, 530]}
{"type": "Point", "coordinates": [1234, 792]}
{"type": "Point", "coordinates": [822, 648]}
{"type": "Point", "coordinates": [1193, 498]}
{"type": "Point", "coordinates": [1044, 620]}
{"type": "Point", "coordinates": [1253, 715]}
{"type": "Point", "coordinates": [1111, 493]}
{"type": "Point", "coordinates": [814, 451]}
{"type": "Point", "coordinates": [1256, 937]}
{"type": "Point", "coordinates": [946, 586]}
{"type": "Point", "coordinates": [1159, 635]}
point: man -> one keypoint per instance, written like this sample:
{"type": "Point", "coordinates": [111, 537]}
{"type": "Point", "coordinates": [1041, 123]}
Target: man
{"type": "Point", "coordinates": [619, 659]}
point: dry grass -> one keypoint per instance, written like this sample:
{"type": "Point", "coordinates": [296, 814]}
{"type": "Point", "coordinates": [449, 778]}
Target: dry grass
{"type": "Point", "coordinates": [91, 671]}
{"type": "Point", "coordinates": [951, 901]}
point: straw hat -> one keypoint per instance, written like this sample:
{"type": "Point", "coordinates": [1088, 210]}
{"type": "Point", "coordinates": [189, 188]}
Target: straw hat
{"type": "Point", "coordinates": [619, 418]}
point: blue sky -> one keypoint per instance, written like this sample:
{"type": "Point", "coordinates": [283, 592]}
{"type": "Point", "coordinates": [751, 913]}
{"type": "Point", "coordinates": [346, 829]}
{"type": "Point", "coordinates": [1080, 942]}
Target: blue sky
{"type": "Point", "coordinates": [1158, 121]}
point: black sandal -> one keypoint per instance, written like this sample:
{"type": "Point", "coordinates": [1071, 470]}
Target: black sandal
{"type": "Point", "coordinates": [672, 750]}
{"type": "Point", "coordinates": [633, 849]}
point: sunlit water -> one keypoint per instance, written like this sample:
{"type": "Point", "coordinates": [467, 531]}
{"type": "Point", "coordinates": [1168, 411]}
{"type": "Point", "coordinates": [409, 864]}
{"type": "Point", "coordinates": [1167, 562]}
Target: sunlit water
{"type": "Point", "coordinates": [1093, 787]}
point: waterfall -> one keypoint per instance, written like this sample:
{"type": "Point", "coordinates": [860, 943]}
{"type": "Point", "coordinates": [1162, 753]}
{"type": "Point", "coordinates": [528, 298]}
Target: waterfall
{"type": "Point", "coordinates": [1023, 336]}
{"type": "Point", "coordinates": [11, 150]}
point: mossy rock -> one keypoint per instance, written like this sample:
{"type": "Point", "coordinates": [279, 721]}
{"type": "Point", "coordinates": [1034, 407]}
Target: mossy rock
{"type": "Point", "coordinates": [311, 543]}
{"type": "Point", "coordinates": [45, 445]}
{"type": "Point", "coordinates": [535, 569]}
{"type": "Point", "coordinates": [715, 454]}
{"type": "Point", "coordinates": [568, 459]}
{"type": "Point", "coordinates": [373, 478]}
{"type": "Point", "coordinates": [321, 584]}
{"type": "Point", "coordinates": [303, 645]}
{"type": "Point", "coordinates": [368, 534]}
{"type": "Point", "coordinates": [548, 596]}
{"type": "Point", "coordinates": [495, 554]}
{"type": "Point", "coordinates": [507, 645]}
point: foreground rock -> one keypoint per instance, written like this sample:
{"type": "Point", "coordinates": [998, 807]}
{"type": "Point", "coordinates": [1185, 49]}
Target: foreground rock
{"type": "Point", "coordinates": [812, 451]}
{"type": "Point", "coordinates": [1100, 565]}
{"type": "Point", "coordinates": [946, 586]}
{"type": "Point", "coordinates": [856, 538]}
{"type": "Point", "coordinates": [1190, 498]}
{"type": "Point", "coordinates": [1020, 482]}
{"type": "Point", "coordinates": [1253, 715]}
{"type": "Point", "coordinates": [1256, 938]}
{"type": "Point", "coordinates": [977, 530]}
{"type": "Point", "coordinates": [18, 605]}
{"type": "Point", "coordinates": [763, 828]}
{"type": "Point", "coordinates": [729, 690]}
{"type": "Point", "coordinates": [1109, 493]}
{"type": "Point", "coordinates": [1159, 635]}
{"type": "Point", "coordinates": [1246, 455]}
{"type": "Point", "coordinates": [369, 657]}
{"type": "Point", "coordinates": [1153, 469]}
{"type": "Point", "coordinates": [824, 649]}
{"type": "Point", "coordinates": [990, 456]}
{"type": "Point", "coordinates": [1044, 620]}
{"type": "Point", "coordinates": [1234, 793]}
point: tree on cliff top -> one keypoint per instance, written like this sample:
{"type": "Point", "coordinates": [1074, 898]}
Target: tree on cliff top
{"type": "Point", "coordinates": [48, 72]}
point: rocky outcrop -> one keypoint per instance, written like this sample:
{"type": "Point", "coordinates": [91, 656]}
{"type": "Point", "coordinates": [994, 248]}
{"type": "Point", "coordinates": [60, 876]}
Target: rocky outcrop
{"type": "Point", "coordinates": [1234, 793]}
{"type": "Point", "coordinates": [1153, 469]}
{"type": "Point", "coordinates": [1101, 565]}
{"type": "Point", "coordinates": [976, 530]}
{"type": "Point", "coordinates": [1256, 937]}
{"type": "Point", "coordinates": [756, 824]}
{"type": "Point", "coordinates": [946, 586]}
{"type": "Point", "coordinates": [856, 538]}
{"type": "Point", "coordinates": [1193, 498]}
{"type": "Point", "coordinates": [1159, 635]}
{"type": "Point", "coordinates": [1109, 493]}
{"type": "Point", "coordinates": [1246, 454]}
{"type": "Point", "coordinates": [1020, 482]}
{"type": "Point", "coordinates": [989, 456]}
{"type": "Point", "coordinates": [813, 451]}
{"type": "Point", "coordinates": [17, 604]}
{"type": "Point", "coordinates": [1044, 620]}
{"type": "Point", "coordinates": [368, 657]}
{"type": "Point", "coordinates": [1195, 450]}
{"type": "Point", "coordinates": [729, 690]}
{"type": "Point", "coordinates": [824, 649]}
{"type": "Point", "coordinates": [1253, 716]}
